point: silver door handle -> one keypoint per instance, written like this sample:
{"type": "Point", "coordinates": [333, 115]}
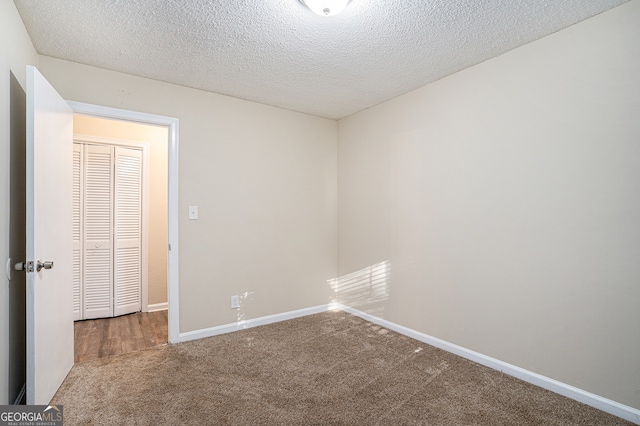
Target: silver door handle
{"type": "Point", "coordinates": [28, 266]}
{"type": "Point", "coordinates": [47, 264]}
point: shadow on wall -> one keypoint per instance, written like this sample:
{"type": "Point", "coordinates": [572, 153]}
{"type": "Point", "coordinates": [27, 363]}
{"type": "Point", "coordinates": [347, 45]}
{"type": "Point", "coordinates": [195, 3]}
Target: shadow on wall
{"type": "Point", "coordinates": [17, 240]}
{"type": "Point", "coordinates": [365, 290]}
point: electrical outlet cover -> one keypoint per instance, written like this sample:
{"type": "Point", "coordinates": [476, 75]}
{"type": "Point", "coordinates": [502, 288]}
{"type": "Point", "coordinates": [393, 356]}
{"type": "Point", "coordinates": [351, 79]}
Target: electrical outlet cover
{"type": "Point", "coordinates": [235, 302]}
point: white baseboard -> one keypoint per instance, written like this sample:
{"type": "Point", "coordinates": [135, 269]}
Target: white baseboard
{"type": "Point", "coordinates": [620, 410]}
{"type": "Point", "coordinates": [241, 325]}
{"type": "Point", "coordinates": [20, 396]}
{"type": "Point", "coordinates": [158, 307]}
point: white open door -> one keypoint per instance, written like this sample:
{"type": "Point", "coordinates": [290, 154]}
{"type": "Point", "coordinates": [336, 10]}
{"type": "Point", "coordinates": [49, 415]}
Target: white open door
{"type": "Point", "coordinates": [49, 239]}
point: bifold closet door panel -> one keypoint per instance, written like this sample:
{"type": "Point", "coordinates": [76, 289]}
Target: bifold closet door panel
{"type": "Point", "coordinates": [78, 311]}
{"type": "Point", "coordinates": [98, 223]}
{"type": "Point", "coordinates": [127, 230]}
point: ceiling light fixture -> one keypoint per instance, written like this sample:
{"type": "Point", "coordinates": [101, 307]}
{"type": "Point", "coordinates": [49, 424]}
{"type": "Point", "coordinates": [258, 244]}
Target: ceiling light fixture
{"type": "Point", "coordinates": [325, 7]}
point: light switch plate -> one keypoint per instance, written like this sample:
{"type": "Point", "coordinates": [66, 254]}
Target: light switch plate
{"type": "Point", "coordinates": [193, 212]}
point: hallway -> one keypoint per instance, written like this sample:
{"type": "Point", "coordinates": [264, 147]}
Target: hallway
{"type": "Point", "coordinates": [105, 337]}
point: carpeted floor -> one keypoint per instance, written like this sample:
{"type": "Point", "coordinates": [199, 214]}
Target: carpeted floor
{"type": "Point", "coordinates": [326, 369]}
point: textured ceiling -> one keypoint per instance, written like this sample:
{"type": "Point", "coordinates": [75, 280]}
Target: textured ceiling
{"type": "Point", "coordinates": [279, 53]}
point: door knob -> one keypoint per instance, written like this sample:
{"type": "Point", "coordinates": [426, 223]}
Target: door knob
{"type": "Point", "coordinates": [47, 264]}
{"type": "Point", "coordinates": [29, 266]}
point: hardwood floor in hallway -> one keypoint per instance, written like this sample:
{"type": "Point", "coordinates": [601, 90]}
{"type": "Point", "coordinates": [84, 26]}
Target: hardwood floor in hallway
{"type": "Point", "coordinates": [99, 338]}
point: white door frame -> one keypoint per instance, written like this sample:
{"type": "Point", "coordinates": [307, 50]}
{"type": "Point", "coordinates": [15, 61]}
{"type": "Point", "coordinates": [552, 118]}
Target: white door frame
{"type": "Point", "coordinates": [172, 201]}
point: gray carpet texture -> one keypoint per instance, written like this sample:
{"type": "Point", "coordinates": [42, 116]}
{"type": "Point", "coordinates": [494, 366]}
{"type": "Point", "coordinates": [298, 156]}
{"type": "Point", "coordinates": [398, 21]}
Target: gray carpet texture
{"type": "Point", "coordinates": [327, 369]}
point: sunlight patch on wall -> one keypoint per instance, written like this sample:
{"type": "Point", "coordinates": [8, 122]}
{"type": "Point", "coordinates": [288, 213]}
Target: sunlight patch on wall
{"type": "Point", "coordinates": [365, 290]}
{"type": "Point", "coordinates": [241, 311]}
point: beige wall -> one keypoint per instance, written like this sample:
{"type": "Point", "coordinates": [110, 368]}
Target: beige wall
{"type": "Point", "coordinates": [500, 203]}
{"type": "Point", "coordinates": [264, 180]}
{"type": "Point", "coordinates": [506, 200]}
{"type": "Point", "coordinates": [16, 51]}
{"type": "Point", "coordinates": [157, 138]}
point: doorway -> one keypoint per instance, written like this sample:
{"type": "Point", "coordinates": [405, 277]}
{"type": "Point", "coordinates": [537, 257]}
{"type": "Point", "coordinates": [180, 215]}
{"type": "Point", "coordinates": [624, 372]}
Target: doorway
{"type": "Point", "coordinates": [120, 235]}
{"type": "Point", "coordinates": [48, 183]}
{"type": "Point", "coordinates": [161, 293]}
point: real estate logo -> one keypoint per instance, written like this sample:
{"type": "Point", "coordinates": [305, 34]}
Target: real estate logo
{"type": "Point", "coordinates": [31, 415]}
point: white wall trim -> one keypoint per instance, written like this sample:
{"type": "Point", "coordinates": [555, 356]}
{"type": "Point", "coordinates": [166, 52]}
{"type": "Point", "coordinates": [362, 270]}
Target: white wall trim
{"type": "Point", "coordinates": [241, 325]}
{"type": "Point", "coordinates": [612, 407]}
{"type": "Point", "coordinates": [158, 307]}
{"type": "Point", "coordinates": [172, 201]}
{"type": "Point", "coordinates": [21, 394]}
{"type": "Point", "coordinates": [620, 410]}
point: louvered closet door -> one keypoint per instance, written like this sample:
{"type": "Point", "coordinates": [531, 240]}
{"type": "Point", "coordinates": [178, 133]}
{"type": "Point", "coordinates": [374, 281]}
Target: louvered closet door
{"type": "Point", "coordinates": [98, 209]}
{"type": "Point", "coordinates": [77, 231]}
{"type": "Point", "coordinates": [128, 228]}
